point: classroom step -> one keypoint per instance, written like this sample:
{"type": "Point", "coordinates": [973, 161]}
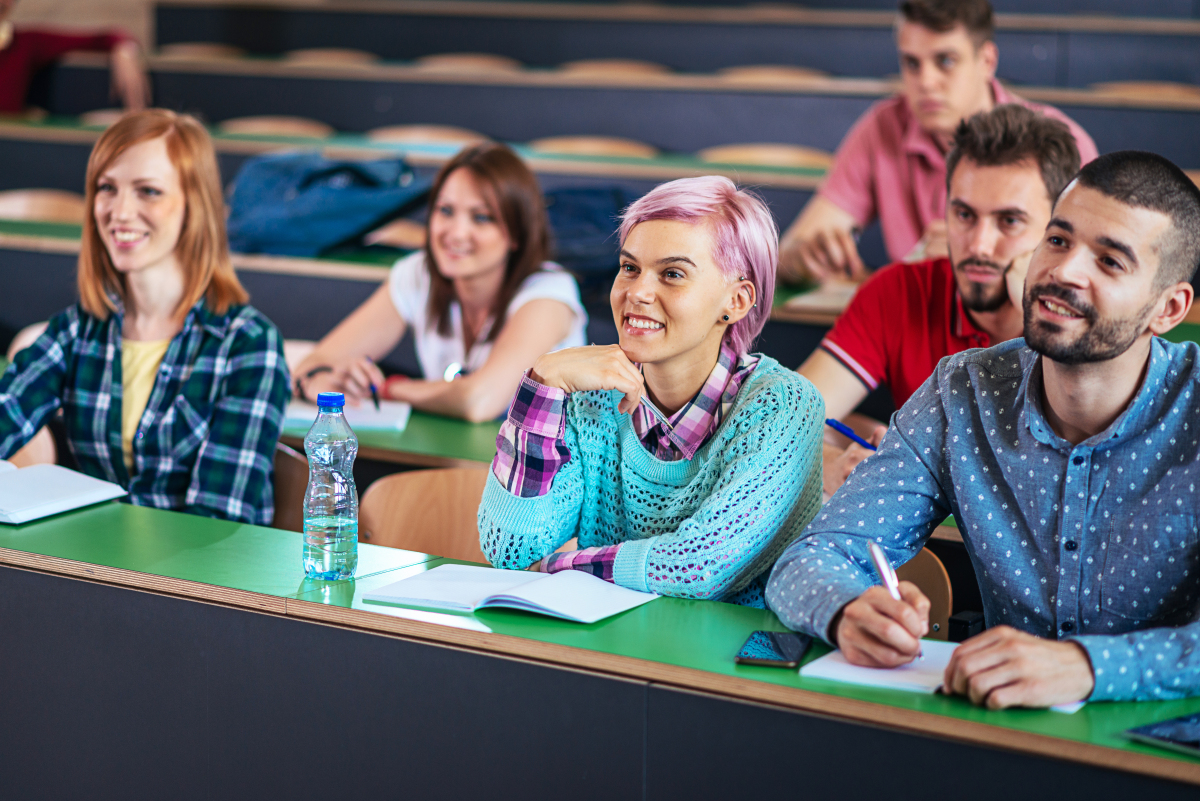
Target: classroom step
{"type": "Point", "coordinates": [674, 113]}
{"type": "Point", "coordinates": [1036, 48]}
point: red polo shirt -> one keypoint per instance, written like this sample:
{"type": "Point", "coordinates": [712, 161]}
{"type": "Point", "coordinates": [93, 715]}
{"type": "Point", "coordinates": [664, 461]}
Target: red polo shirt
{"type": "Point", "coordinates": [32, 50]}
{"type": "Point", "coordinates": [900, 324]}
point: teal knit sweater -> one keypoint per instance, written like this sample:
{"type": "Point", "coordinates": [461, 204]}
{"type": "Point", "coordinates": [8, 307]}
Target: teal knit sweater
{"type": "Point", "coordinates": [705, 527]}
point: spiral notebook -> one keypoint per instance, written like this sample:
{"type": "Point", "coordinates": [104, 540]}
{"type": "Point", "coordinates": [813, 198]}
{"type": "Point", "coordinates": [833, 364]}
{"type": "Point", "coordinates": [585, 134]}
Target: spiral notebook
{"type": "Point", "coordinates": [570, 594]}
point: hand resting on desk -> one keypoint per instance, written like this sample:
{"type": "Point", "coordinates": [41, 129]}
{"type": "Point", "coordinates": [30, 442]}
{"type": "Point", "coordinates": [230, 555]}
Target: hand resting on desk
{"type": "Point", "coordinates": [876, 630]}
{"type": "Point", "coordinates": [1004, 667]}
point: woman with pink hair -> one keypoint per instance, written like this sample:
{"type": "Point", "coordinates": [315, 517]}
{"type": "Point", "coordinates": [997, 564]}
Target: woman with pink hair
{"type": "Point", "coordinates": [683, 463]}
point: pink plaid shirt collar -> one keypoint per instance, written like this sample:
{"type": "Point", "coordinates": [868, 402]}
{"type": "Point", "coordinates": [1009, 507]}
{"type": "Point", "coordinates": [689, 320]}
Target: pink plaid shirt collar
{"type": "Point", "coordinates": [691, 426]}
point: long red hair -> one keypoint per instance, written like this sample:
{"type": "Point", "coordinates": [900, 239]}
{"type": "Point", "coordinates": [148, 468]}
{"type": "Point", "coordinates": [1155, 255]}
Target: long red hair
{"type": "Point", "coordinates": [202, 249]}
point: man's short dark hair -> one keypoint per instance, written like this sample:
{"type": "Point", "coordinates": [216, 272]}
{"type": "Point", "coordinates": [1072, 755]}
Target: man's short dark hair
{"type": "Point", "coordinates": [1012, 133]}
{"type": "Point", "coordinates": [941, 16]}
{"type": "Point", "coordinates": [1149, 181]}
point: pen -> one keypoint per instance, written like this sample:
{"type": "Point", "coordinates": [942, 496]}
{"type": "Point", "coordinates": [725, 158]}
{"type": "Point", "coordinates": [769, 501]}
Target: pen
{"type": "Point", "coordinates": [887, 575]}
{"type": "Point", "coordinates": [662, 418]}
{"type": "Point", "coordinates": [374, 391]}
{"type": "Point", "coordinates": [842, 428]}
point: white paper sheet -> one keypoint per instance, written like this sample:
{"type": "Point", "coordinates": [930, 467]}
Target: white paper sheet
{"type": "Point", "coordinates": [392, 415]}
{"type": "Point", "coordinates": [438, 618]}
{"type": "Point", "coordinates": [923, 675]}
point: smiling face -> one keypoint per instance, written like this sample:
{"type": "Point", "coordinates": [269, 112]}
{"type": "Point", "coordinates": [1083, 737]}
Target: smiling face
{"type": "Point", "coordinates": [140, 207]}
{"type": "Point", "coordinates": [1091, 289]}
{"type": "Point", "coordinates": [944, 77]}
{"type": "Point", "coordinates": [669, 296]}
{"type": "Point", "coordinates": [467, 238]}
{"type": "Point", "coordinates": [993, 215]}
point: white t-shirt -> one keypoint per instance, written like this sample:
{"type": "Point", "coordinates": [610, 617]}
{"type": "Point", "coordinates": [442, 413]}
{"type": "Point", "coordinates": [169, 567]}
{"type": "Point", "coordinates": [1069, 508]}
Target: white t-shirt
{"type": "Point", "coordinates": [408, 285]}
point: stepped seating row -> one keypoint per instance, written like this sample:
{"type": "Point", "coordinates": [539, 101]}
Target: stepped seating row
{"type": "Point", "coordinates": [53, 154]}
{"type": "Point", "coordinates": [672, 112]}
{"type": "Point", "coordinates": [1175, 9]}
{"type": "Point", "coordinates": [1035, 49]}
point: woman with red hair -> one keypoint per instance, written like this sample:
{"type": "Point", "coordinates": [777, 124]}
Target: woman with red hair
{"type": "Point", "coordinates": [169, 384]}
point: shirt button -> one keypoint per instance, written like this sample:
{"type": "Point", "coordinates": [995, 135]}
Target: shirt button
{"type": "Point", "coordinates": [1071, 545]}
{"type": "Point", "coordinates": [1068, 627]}
{"type": "Point", "coordinates": [1078, 460]}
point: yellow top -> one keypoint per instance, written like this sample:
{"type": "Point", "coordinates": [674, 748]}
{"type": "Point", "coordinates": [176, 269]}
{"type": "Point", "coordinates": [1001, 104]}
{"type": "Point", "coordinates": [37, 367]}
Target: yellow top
{"type": "Point", "coordinates": [139, 366]}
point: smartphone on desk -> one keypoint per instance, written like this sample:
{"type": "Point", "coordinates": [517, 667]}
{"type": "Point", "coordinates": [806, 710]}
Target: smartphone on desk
{"type": "Point", "coordinates": [774, 649]}
{"type": "Point", "coordinates": [1177, 734]}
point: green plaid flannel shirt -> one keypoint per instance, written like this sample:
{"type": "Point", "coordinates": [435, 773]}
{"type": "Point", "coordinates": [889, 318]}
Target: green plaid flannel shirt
{"type": "Point", "coordinates": [206, 442]}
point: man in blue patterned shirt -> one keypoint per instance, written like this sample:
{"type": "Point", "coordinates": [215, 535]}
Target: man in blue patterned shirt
{"type": "Point", "coordinates": [1069, 459]}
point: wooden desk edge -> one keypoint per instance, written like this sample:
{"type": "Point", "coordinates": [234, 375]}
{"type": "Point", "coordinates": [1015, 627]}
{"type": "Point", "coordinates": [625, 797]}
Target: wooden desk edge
{"type": "Point", "coordinates": [799, 700]}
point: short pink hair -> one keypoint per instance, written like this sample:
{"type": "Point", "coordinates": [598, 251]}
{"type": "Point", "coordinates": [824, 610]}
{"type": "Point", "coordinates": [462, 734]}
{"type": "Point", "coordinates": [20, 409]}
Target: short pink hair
{"type": "Point", "coordinates": [747, 240]}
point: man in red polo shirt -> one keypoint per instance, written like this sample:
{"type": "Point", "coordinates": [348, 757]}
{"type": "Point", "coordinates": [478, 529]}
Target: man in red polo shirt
{"type": "Point", "coordinates": [892, 163]}
{"type": "Point", "coordinates": [1006, 168]}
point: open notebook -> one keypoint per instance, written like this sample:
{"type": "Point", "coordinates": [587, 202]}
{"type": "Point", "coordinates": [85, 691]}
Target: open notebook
{"type": "Point", "coordinates": [392, 415]}
{"type": "Point", "coordinates": [41, 490]}
{"type": "Point", "coordinates": [922, 675]}
{"type": "Point", "coordinates": [570, 594]}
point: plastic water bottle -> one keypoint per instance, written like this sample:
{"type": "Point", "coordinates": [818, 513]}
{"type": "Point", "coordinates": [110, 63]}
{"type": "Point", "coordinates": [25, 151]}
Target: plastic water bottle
{"type": "Point", "coordinates": [330, 502]}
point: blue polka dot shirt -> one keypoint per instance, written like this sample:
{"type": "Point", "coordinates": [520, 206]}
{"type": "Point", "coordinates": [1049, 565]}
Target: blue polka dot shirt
{"type": "Point", "coordinates": [1097, 542]}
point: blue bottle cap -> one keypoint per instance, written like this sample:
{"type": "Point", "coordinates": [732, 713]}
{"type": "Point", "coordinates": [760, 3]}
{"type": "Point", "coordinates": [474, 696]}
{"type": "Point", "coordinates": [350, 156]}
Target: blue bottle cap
{"type": "Point", "coordinates": [327, 400]}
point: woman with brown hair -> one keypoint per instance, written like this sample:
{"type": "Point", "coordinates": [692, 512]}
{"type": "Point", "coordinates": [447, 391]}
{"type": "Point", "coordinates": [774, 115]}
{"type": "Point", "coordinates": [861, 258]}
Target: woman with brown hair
{"type": "Point", "coordinates": [482, 300]}
{"type": "Point", "coordinates": [169, 384]}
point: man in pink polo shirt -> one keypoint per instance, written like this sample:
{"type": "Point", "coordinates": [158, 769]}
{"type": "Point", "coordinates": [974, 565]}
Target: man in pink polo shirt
{"type": "Point", "coordinates": [892, 163]}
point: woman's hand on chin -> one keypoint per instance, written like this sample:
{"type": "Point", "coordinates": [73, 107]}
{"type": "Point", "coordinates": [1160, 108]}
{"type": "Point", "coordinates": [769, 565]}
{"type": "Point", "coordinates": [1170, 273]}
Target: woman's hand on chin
{"type": "Point", "coordinates": [593, 367]}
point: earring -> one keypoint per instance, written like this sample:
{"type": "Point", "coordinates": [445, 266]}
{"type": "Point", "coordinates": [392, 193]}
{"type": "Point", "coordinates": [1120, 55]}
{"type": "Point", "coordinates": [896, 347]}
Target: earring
{"type": "Point", "coordinates": [725, 318]}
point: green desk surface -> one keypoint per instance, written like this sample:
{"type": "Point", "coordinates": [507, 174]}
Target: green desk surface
{"type": "Point", "coordinates": [428, 435]}
{"type": "Point", "coordinates": [49, 230]}
{"type": "Point", "coordinates": [173, 545]}
{"type": "Point", "coordinates": [704, 635]}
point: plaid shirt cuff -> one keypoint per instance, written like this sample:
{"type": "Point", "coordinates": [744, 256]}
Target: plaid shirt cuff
{"type": "Point", "coordinates": [539, 409]}
{"type": "Point", "coordinates": [597, 561]}
{"type": "Point", "coordinates": [529, 448]}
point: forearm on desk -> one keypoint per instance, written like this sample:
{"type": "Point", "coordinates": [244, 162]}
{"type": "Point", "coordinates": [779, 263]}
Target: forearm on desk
{"type": "Point", "coordinates": [830, 564]}
{"type": "Point", "coordinates": [472, 398]}
{"type": "Point", "coordinates": [1152, 664]}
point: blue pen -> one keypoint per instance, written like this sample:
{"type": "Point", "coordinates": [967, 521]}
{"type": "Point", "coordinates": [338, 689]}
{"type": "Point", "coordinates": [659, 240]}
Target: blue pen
{"type": "Point", "coordinates": [842, 428]}
{"type": "Point", "coordinates": [374, 391]}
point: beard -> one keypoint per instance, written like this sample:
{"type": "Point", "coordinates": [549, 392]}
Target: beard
{"type": "Point", "coordinates": [1101, 341]}
{"type": "Point", "coordinates": [983, 297]}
